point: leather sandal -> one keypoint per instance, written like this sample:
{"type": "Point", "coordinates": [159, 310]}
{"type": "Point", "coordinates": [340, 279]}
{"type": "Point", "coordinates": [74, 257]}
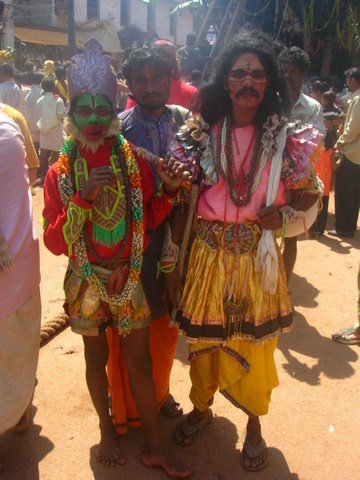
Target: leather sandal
{"type": "Point", "coordinates": [186, 435]}
{"type": "Point", "coordinates": [171, 409]}
{"type": "Point", "coordinates": [252, 453]}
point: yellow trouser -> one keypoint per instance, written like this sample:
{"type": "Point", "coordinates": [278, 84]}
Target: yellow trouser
{"type": "Point", "coordinates": [244, 372]}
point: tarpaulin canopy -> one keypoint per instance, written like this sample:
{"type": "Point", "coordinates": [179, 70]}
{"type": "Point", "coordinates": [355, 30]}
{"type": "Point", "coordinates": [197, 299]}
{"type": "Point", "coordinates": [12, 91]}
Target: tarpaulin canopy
{"type": "Point", "coordinates": [103, 30]}
{"type": "Point", "coordinates": [40, 36]}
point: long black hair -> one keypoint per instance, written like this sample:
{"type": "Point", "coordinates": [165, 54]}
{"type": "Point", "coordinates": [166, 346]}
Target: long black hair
{"type": "Point", "coordinates": [214, 100]}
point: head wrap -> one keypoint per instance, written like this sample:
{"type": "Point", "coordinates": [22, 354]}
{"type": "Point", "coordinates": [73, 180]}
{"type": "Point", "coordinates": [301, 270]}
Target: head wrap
{"type": "Point", "coordinates": [92, 73]}
{"type": "Point", "coordinates": [164, 43]}
{"type": "Point", "coordinates": [48, 68]}
{"type": "Point", "coordinates": [7, 55]}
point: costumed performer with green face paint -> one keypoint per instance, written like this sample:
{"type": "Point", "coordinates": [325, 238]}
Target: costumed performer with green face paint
{"type": "Point", "coordinates": [99, 203]}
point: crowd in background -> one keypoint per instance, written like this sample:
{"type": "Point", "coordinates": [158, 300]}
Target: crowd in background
{"type": "Point", "coordinates": [38, 100]}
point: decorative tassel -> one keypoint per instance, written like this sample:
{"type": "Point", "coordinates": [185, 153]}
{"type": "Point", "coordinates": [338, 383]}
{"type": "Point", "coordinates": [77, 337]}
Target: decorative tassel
{"type": "Point", "coordinates": [109, 238]}
{"type": "Point", "coordinates": [118, 232]}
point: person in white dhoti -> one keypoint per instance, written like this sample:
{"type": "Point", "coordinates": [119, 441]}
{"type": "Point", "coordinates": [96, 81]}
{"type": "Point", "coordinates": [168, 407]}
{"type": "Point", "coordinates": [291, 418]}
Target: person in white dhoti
{"type": "Point", "coordinates": [20, 307]}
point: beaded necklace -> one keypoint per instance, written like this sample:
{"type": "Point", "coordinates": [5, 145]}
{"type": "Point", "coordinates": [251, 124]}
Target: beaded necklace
{"type": "Point", "coordinates": [133, 179]}
{"type": "Point", "coordinates": [225, 164]}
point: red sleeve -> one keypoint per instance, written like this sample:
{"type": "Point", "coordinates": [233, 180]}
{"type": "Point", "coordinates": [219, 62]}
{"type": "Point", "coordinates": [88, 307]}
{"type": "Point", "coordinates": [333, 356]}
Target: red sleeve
{"type": "Point", "coordinates": [158, 206]}
{"type": "Point", "coordinates": [54, 214]}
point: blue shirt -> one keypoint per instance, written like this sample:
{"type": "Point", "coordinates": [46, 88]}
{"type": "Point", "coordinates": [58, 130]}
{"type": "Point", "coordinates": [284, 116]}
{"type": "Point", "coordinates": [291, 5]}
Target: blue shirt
{"type": "Point", "coordinates": [155, 134]}
{"type": "Point", "coordinates": [148, 131]}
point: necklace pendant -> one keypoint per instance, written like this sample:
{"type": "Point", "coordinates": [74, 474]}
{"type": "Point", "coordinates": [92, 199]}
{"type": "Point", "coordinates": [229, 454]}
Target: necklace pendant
{"type": "Point", "coordinates": [232, 308]}
{"type": "Point", "coordinates": [234, 312]}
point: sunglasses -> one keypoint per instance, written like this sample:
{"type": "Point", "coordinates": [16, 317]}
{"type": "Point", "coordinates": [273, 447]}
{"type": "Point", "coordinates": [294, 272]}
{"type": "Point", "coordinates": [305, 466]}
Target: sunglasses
{"type": "Point", "coordinates": [257, 75]}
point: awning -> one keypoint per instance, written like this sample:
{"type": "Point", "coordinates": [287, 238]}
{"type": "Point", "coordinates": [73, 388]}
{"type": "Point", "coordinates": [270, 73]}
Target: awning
{"type": "Point", "coordinates": [40, 36]}
{"type": "Point", "coordinates": [104, 31]}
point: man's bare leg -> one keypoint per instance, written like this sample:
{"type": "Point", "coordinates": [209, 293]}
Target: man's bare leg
{"type": "Point", "coordinates": [139, 365]}
{"type": "Point", "coordinates": [253, 433]}
{"type": "Point", "coordinates": [23, 423]}
{"type": "Point", "coordinates": [53, 157]}
{"type": "Point", "coordinates": [96, 354]}
{"type": "Point", "coordinates": [44, 162]}
{"type": "Point", "coordinates": [289, 256]}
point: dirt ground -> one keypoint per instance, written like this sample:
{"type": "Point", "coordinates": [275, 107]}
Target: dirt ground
{"type": "Point", "coordinates": [313, 427]}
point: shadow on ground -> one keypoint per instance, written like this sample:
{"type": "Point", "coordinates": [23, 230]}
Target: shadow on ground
{"type": "Point", "coordinates": [342, 246]}
{"type": "Point", "coordinates": [303, 292]}
{"type": "Point", "coordinates": [332, 359]}
{"type": "Point", "coordinates": [31, 448]}
{"type": "Point", "coordinates": [215, 456]}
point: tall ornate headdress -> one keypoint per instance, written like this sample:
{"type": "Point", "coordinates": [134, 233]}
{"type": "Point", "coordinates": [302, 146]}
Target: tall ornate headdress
{"type": "Point", "coordinates": [92, 73]}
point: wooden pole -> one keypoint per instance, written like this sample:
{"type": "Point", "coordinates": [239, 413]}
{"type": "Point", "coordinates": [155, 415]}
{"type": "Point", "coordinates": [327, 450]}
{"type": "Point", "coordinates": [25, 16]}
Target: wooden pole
{"type": "Point", "coordinates": [71, 27]}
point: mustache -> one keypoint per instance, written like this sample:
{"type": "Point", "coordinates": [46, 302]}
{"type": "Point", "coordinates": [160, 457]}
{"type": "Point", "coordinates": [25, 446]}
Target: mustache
{"type": "Point", "coordinates": [247, 91]}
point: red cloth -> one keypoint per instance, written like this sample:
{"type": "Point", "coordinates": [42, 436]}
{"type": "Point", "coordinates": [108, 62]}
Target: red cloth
{"type": "Point", "coordinates": [55, 213]}
{"type": "Point", "coordinates": [323, 169]}
{"type": "Point", "coordinates": [162, 344]}
{"type": "Point", "coordinates": [180, 94]}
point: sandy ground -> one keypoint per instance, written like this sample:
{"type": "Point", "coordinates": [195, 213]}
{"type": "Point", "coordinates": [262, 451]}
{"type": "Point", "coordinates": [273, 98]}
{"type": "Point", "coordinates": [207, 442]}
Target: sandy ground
{"type": "Point", "coordinates": [313, 427]}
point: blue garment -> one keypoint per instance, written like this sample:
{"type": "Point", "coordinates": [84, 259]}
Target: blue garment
{"type": "Point", "coordinates": [149, 131]}
{"type": "Point", "coordinates": [155, 134]}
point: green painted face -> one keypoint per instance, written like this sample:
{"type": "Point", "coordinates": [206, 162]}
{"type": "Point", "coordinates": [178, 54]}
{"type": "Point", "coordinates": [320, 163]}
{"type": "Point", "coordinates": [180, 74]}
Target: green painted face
{"type": "Point", "coordinates": [93, 115]}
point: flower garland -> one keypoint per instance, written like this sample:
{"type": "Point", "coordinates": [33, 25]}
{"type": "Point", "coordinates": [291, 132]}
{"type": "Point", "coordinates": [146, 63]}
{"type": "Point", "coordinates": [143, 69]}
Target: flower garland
{"type": "Point", "coordinates": [66, 190]}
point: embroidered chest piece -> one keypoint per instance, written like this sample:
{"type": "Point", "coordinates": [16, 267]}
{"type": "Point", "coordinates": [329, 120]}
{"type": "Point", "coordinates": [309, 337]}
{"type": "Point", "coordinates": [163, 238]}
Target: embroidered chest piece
{"type": "Point", "coordinates": [108, 214]}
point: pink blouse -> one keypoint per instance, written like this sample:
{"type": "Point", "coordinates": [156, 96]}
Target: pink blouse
{"type": "Point", "coordinates": [215, 203]}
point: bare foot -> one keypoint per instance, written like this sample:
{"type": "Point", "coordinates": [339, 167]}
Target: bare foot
{"type": "Point", "coordinates": [108, 452]}
{"type": "Point", "coordinates": [254, 453]}
{"type": "Point", "coordinates": [171, 469]}
{"type": "Point", "coordinates": [23, 423]}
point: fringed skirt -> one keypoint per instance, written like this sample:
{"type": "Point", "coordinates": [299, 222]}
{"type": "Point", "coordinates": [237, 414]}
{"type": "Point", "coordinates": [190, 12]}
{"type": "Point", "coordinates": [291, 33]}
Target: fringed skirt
{"type": "Point", "coordinates": [231, 322]}
{"type": "Point", "coordinates": [223, 296]}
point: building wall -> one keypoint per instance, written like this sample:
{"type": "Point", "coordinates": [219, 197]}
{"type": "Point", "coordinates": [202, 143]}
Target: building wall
{"type": "Point", "coordinates": [184, 25]}
{"type": "Point", "coordinates": [162, 26]}
{"type": "Point", "coordinates": [138, 14]}
{"type": "Point", "coordinates": [138, 11]}
{"type": "Point", "coordinates": [110, 9]}
{"type": "Point", "coordinates": [80, 10]}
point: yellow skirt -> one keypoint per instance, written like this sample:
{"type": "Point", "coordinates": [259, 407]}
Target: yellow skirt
{"type": "Point", "coordinates": [223, 297]}
{"type": "Point", "coordinates": [232, 324]}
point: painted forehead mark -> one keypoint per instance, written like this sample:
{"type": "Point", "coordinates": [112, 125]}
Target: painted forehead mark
{"type": "Point", "coordinates": [248, 62]}
{"type": "Point", "coordinates": [144, 72]}
{"type": "Point", "coordinates": [147, 73]}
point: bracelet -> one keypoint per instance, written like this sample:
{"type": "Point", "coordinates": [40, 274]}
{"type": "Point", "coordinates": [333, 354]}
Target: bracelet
{"type": "Point", "coordinates": [294, 221]}
{"type": "Point", "coordinates": [290, 215]}
{"type": "Point", "coordinates": [170, 251]}
{"type": "Point", "coordinates": [165, 268]}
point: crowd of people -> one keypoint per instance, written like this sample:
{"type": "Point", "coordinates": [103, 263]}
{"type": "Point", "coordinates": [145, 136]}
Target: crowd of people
{"type": "Point", "coordinates": [172, 210]}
